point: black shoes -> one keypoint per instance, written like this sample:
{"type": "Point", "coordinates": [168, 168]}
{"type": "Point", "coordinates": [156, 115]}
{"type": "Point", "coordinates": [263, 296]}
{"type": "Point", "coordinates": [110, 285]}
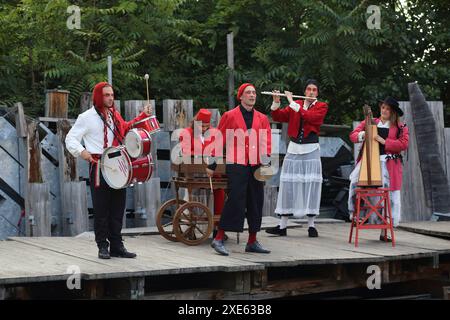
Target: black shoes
{"type": "Point", "coordinates": [277, 231]}
{"type": "Point", "coordinates": [382, 239]}
{"type": "Point", "coordinates": [256, 247]}
{"type": "Point", "coordinates": [122, 253]}
{"type": "Point", "coordinates": [103, 253]}
{"type": "Point", "coordinates": [219, 247]}
{"type": "Point", "coordinates": [312, 232]}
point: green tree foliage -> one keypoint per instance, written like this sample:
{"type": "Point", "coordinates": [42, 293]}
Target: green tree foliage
{"type": "Point", "coordinates": [182, 45]}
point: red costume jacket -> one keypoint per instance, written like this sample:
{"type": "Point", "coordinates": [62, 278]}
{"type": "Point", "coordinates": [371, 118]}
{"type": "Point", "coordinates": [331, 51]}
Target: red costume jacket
{"type": "Point", "coordinates": [243, 147]}
{"type": "Point", "coordinates": [312, 118]}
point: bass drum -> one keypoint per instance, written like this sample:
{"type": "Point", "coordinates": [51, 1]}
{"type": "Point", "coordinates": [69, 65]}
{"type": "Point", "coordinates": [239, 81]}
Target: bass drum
{"type": "Point", "coordinates": [120, 170]}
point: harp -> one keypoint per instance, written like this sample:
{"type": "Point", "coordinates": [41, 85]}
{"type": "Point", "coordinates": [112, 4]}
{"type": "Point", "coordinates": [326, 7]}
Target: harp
{"type": "Point", "coordinates": [370, 174]}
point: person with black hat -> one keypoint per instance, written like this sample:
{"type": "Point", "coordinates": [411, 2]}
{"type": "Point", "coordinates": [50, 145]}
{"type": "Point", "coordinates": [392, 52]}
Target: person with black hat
{"type": "Point", "coordinates": [393, 138]}
{"type": "Point", "coordinates": [301, 174]}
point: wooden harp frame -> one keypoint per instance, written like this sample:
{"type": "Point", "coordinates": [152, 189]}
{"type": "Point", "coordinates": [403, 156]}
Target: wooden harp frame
{"type": "Point", "coordinates": [370, 173]}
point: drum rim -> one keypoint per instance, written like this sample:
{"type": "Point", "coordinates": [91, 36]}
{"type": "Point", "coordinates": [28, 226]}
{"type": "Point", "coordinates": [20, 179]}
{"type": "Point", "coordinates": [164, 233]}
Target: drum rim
{"type": "Point", "coordinates": [107, 180]}
{"type": "Point", "coordinates": [136, 132]}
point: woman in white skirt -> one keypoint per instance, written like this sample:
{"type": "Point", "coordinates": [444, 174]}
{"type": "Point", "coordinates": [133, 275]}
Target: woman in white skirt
{"type": "Point", "coordinates": [301, 174]}
{"type": "Point", "coordinates": [393, 138]}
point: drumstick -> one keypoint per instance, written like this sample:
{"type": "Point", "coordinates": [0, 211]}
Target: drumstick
{"type": "Point", "coordinates": [110, 168]}
{"type": "Point", "coordinates": [102, 164]}
{"type": "Point", "coordinates": [210, 184]}
{"type": "Point", "coordinates": [146, 81]}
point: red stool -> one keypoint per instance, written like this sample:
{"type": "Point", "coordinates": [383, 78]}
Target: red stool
{"type": "Point", "coordinates": [383, 202]}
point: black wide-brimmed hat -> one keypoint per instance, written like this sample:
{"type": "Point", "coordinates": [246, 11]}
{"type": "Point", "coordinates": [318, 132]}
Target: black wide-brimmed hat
{"type": "Point", "coordinates": [391, 102]}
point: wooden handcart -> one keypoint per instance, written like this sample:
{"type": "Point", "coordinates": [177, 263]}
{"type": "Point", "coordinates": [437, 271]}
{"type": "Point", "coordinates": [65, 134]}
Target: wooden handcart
{"type": "Point", "coordinates": [190, 222]}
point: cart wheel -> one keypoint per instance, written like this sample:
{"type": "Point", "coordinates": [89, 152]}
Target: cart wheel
{"type": "Point", "coordinates": [164, 218]}
{"type": "Point", "coordinates": [193, 223]}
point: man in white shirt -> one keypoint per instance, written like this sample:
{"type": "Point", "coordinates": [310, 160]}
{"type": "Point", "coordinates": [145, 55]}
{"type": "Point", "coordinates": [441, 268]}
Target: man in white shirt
{"type": "Point", "coordinates": [101, 127]}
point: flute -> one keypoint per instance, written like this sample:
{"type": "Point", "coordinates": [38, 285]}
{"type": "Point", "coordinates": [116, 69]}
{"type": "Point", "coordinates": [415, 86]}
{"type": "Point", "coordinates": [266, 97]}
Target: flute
{"type": "Point", "coordinates": [283, 95]}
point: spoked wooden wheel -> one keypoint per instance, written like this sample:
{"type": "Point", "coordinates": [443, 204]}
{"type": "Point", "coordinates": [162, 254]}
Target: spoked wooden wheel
{"type": "Point", "coordinates": [164, 218]}
{"type": "Point", "coordinates": [193, 223]}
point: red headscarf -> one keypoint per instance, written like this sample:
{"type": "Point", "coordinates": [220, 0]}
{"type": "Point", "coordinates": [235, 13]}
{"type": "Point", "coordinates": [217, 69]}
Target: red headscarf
{"type": "Point", "coordinates": [242, 88]}
{"type": "Point", "coordinates": [97, 96]}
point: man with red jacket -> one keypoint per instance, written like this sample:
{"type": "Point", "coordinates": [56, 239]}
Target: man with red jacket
{"type": "Point", "coordinates": [301, 173]}
{"type": "Point", "coordinates": [247, 136]}
{"type": "Point", "coordinates": [100, 127]}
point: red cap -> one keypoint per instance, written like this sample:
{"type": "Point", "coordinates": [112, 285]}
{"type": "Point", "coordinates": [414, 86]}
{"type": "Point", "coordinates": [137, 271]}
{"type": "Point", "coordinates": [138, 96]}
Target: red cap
{"type": "Point", "coordinates": [203, 115]}
{"type": "Point", "coordinates": [97, 96]}
{"type": "Point", "coordinates": [242, 88]}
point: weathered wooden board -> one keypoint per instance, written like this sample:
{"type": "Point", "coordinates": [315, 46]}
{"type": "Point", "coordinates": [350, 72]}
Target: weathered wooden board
{"type": "Point", "coordinates": [432, 228]}
{"type": "Point", "coordinates": [38, 210]}
{"type": "Point", "coordinates": [56, 103]}
{"type": "Point", "coordinates": [177, 114]}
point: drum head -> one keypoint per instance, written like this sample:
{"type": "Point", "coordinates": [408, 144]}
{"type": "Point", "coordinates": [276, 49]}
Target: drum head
{"type": "Point", "coordinates": [115, 165]}
{"type": "Point", "coordinates": [133, 143]}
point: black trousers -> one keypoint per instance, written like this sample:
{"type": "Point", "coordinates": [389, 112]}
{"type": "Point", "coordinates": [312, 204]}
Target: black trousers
{"type": "Point", "coordinates": [245, 199]}
{"type": "Point", "coordinates": [109, 208]}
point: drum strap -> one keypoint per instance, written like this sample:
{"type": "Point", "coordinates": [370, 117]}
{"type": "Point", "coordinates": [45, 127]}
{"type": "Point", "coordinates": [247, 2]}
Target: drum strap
{"type": "Point", "coordinates": [95, 166]}
{"type": "Point", "coordinates": [115, 132]}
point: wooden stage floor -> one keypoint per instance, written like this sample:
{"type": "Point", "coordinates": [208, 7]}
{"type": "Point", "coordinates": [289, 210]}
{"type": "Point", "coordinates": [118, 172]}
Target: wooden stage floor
{"type": "Point", "coordinates": [38, 267]}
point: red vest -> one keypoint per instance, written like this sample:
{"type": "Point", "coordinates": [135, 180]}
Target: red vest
{"type": "Point", "coordinates": [312, 118]}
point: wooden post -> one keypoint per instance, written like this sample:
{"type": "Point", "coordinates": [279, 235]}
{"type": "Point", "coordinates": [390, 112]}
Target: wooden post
{"type": "Point", "coordinates": [73, 192]}
{"type": "Point", "coordinates": [37, 210]}
{"type": "Point", "coordinates": [147, 200]}
{"type": "Point", "coordinates": [142, 193]}
{"type": "Point", "coordinates": [416, 204]}
{"type": "Point", "coordinates": [67, 163]}
{"type": "Point", "coordinates": [134, 107]}
{"type": "Point", "coordinates": [177, 114]}
{"type": "Point", "coordinates": [56, 103]}
{"type": "Point", "coordinates": [85, 101]}
{"type": "Point", "coordinates": [447, 152]}
{"type": "Point", "coordinates": [74, 205]}
{"type": "Point", "coordinates": [34, 172]}
{"type": "Point", "coordinates": [21, 124]}
{"type": "Point", "coordinates": [230, 63]}
{"type": "Point", "coordinates": [270, 200]}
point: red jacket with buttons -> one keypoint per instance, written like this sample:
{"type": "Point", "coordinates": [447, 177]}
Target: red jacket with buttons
{"type": "Point", "coordinates": [243, 147]}
{"type": "Point", "coordinates": [312, 118]}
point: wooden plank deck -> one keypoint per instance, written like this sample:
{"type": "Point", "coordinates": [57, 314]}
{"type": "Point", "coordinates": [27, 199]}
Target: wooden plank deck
{"type": "Point", "coordinates": [44, 259]}
{"type": "Point", "coordinates": [266, 223]}
{"type": "Point", "coordinates": [432, 228]}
